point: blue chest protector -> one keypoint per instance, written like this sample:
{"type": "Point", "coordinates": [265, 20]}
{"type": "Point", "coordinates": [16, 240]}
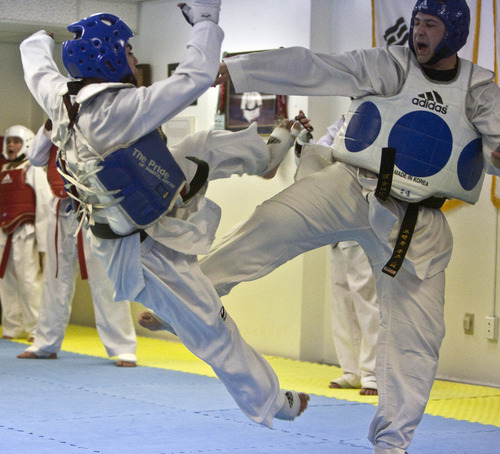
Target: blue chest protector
{"type": "Point", "coordinates": [145, 177]}
{"type": "Point", "coordinates": [143, 181]}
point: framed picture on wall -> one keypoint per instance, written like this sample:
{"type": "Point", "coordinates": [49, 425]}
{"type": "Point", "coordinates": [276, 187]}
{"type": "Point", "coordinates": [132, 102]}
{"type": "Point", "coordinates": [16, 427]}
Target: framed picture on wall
{"type": "Point", "coordinates": [242, 109]}
{"type": "Point", "coordinates": [171, 69]}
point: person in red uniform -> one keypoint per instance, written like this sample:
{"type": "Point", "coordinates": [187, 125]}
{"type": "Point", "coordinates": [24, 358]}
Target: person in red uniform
{"type": "Point", "coordinates": [24, 194]}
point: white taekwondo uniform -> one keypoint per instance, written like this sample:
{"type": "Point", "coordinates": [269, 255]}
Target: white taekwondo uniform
{"type": "Point", "coordinates": [162, 272]}
{"type": "Point", "coordinates": [338, 203]}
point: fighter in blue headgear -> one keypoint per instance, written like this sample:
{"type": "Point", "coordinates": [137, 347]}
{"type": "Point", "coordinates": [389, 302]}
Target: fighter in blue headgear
{"type": "Point", "coordinates": [98, 49]}
{"type": "Point", "coordinates": [455, 15]}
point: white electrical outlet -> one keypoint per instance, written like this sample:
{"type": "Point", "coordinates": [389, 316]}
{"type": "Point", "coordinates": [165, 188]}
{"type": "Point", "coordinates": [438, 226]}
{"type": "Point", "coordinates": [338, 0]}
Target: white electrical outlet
{"type": "Point", "coordinates": [492, 328]}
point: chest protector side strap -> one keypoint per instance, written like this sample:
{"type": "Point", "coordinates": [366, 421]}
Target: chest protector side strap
{"type": "Point", "coordinates": [54, 178]}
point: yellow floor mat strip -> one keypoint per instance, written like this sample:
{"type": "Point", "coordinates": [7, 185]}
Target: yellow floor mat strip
{"type": "Point", "coordinates": [471, 403]}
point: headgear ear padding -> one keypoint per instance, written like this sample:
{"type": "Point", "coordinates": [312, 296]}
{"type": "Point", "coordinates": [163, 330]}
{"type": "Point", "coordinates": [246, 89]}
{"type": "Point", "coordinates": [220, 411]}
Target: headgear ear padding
{"type": "Point", "coordinates": [98, 48]}
{"type": "Point", "coordinates": [455, 15]}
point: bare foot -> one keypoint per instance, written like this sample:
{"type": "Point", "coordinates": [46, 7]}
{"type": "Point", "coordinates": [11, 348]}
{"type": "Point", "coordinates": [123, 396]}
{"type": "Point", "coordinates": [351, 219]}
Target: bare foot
{"type": "Point", "coordinates": [122, 363]}
{"type": "Point", "coordinates": [7, 337]}
{"type": "Point", "coordinates": [341, 383]}
{"type": "Point", "coordinates": [31, 340]}
{"type": "Point", "coordinates": [304, 402]}
{"type": "Point", "coordinates": [149, 321]}
{"type": "Point", "coordinates": [31, 355]}
{"type": "Point", "coordinates": [368, 392]}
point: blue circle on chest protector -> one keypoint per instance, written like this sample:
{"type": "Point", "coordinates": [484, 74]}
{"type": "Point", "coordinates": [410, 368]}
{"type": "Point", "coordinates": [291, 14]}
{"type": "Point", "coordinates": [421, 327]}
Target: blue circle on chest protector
{"type": "Point", "coordinates": [423, 143]}
{"type": "Point", "coordinates": [470, 164]}
{"type": "Point", "coordinates": [363, 128]}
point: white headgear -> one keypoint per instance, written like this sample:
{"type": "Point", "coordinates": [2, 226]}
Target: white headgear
{"type": "Point", "coordinates": [24, 133]}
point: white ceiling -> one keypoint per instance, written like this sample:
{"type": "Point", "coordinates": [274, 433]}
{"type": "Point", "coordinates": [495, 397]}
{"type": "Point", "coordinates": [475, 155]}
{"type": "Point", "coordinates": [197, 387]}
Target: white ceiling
{"type": "Point", "coordinates": [14, 33]}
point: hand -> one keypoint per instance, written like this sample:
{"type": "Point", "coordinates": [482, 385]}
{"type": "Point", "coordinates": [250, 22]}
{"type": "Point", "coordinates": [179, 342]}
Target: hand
{"type": "Point", "coordinates": [292, 127]}
{"type": "Point", "coordinates": [223, 75]}
{"type": "Point", "coordinates": [201, 10]}
{"type": "Point", "coordinates": [304, 121]}
{"type": "Point", "coordinates": [495, 157]}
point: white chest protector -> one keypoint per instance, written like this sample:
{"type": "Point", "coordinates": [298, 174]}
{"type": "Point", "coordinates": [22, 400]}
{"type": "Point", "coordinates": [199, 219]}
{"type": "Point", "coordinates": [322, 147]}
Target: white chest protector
{"type": "Point", "coordinates": [437, 151]}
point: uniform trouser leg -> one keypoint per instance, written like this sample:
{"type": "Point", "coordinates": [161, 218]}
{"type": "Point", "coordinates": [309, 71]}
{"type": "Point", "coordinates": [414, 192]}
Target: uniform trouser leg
{"type": "Point", "coordinates": [12, 320]}
{"type": "Point", "coordinates": [410, 335]}
{"type": "Point", "coordinates": [346, 331]}
{"type": "Point", "coordinates": [177, 290]}
{"type": "Point", "coordinates": [309, 214]}
{"type": "Point", "coordinates": [58, 286]}
{"type": "Point", "coordinates": [26, 260]}
{"type": "Point", "coordinates": [113, 319]}
{"type": "Point", "coordinates": [314, 212]}
{"type": "Point", "coordinates": [365, 306]}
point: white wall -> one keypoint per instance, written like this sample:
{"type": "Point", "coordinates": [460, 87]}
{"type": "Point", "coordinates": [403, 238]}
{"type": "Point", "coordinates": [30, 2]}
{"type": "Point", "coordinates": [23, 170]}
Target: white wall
{"type": "Point", "coordinates": [287, 313]}
{"type": "Point", "coordinates": [16, 105]}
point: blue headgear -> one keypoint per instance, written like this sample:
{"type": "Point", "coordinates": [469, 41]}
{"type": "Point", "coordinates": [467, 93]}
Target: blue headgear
{"type": "Point", "coordinates": [455, 15]}
{"type": "Point", "coordinates": [98, 48]}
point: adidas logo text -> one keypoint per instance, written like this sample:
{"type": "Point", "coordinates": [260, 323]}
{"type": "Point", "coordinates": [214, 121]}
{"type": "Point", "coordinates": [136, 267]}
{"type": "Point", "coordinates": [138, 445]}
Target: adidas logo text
{"type": "Point", "coordinates": [6, 179]}
{"type": "Point", "coordinates": [430, 100]}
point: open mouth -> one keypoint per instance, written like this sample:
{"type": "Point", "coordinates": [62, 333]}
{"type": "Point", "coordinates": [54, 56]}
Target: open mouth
{"type": "Point", "coordinates": [422, 47]}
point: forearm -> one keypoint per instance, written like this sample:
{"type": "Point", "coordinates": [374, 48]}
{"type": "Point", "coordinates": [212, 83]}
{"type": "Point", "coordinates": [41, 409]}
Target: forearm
{"type": "Point", "coordinates": [38, 152]}
{"type": "Point", "coordinates": [299, 71]}
{"type": "Point", "coordinates": [41, 74]}
{"type": "Point", "coordinates": [137, 112]}
{"type": "Point", "coordinates": [195, 73]}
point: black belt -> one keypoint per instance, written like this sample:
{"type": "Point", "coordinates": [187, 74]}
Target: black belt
{"type": "Point", "coordinates": [407, 228]}
{"type": "Point", "coordinates": [105, 232]}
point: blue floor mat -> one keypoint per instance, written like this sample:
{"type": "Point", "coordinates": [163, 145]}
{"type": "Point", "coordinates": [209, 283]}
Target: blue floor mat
{"type": "Point", "coordinates": [84, 404]}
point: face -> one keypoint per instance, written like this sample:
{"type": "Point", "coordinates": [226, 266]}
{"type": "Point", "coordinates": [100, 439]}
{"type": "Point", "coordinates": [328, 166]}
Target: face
{"type": "Point", "coordinates": [428, 31]}
{"type": "Point", "coordinates": [132, 61]}
{"type": "Point", "coordinates": [14, 145]}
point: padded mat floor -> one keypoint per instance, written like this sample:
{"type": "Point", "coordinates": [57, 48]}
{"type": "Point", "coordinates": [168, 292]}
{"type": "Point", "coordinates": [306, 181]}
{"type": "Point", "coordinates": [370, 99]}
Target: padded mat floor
{"type": "Point", "coordinates": [172, 403]}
